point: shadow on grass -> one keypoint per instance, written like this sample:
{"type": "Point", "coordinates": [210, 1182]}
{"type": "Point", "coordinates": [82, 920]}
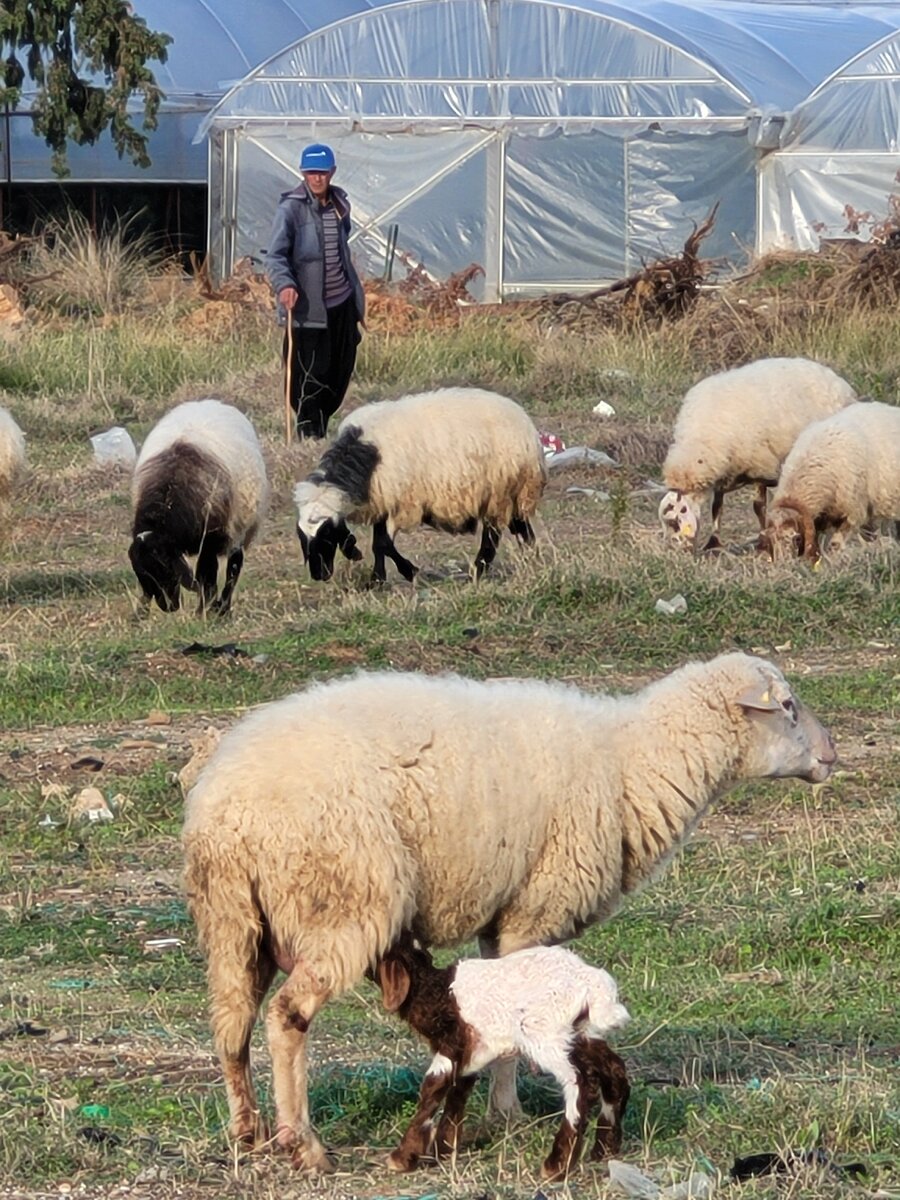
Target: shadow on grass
{"type": "Point", "coordinates": [41, 587]}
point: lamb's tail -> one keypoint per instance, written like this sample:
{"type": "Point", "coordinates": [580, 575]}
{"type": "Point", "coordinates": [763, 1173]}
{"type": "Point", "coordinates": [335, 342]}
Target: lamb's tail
{"type": "Point", "coordinates": [605, 1013]}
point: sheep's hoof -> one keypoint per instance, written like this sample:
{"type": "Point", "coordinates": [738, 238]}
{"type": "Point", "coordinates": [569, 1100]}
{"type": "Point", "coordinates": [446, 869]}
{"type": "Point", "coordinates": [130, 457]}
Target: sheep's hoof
{"type": "Point", "coordinates": [312, 1160]}
{"type": "Point", "coordinates": [712, 546]}
{"type": "Point", "coordinates": [398, 1160]}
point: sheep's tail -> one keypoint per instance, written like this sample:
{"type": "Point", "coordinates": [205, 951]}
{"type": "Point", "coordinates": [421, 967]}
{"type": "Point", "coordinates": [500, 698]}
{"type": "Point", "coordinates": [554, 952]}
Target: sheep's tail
{"type": "Point", "coordinates": [229, 922]}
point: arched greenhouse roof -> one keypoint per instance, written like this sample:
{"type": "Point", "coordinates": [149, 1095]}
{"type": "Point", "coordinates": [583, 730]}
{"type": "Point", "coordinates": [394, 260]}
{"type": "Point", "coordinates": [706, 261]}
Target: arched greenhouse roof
{"type": "Point", "coordinates": [421, 59]}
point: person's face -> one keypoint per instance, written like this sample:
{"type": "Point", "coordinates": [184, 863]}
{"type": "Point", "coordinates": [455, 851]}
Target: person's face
{"type": "Point", "coordinates": [318, 181]}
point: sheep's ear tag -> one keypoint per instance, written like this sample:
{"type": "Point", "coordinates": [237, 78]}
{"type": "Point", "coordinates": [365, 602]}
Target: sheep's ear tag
{"type": "Point", "coordinates": [394, 980]}
{"type": "Point", "coordinates": [761, 701]}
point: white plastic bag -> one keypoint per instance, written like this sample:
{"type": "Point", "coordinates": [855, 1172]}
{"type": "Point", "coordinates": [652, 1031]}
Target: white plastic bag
{"type": "Point", "coordinates": [114, 448]}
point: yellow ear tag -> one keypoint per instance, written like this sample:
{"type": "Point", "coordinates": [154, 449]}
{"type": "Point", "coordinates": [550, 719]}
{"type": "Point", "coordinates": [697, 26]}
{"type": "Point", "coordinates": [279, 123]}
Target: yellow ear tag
{"type": "Point", "coordinates": [817, 565]}
{"type": "Point", "coordinates": [765, 697]}
{"type": "Point", "coordinates": [687, 531]}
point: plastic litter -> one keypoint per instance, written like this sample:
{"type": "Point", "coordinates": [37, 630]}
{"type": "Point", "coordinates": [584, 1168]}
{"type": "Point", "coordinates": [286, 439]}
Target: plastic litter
{"type": "Point", "coordinates": [90, 805]}
{"type": "Point", "coordinates": [671, 608]}
{"type": "Point", "coordinates": [114, 448]}
{"type": "Point", "coordinates": [628, 1179]}
{"type": "Point", "coordinates": [698, 1186]}
{"type": "Point", "coordinates": [47, 822]}
{"type": "Point", "coordinates": [551, 442]}
{"type": "Point", "coordinates": [575, 490]}
{"type": "Point", "coordinates": [578, 456]}
{"type": "Point", "coordinates": [603, 409]}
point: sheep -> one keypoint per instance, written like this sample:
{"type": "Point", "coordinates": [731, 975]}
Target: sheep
{"type": "Point", "coordinates": [545, 1004]}
{"type": "Point", "coordinates": [517, 811]}
{"type": "Point", "coordinates": [12, 458]}
{"type": "Point", "coordinates": [448, 458]}
{"type": "Point", "coordinates": [199, 487]}
{"type": "Point", "coordinates": [842, 475]}
{"type": "Point", "coordinates": [736, 428]}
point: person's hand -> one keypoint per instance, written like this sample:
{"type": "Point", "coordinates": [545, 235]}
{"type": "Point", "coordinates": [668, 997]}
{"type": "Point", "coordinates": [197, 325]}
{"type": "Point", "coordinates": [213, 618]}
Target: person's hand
{"type": "Point", "coordinates": [288, 297]}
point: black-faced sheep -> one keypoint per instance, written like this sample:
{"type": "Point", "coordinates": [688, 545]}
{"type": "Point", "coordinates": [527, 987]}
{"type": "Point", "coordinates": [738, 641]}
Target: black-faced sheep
{"type": "Point", "coordinates": [449, 459]}
{"type": "Point", "coordinates": [544, 1004]}
{"type": "Point", "coordinates": [842, 476]}
{"type": "Point", "coordinates": [327, 823]}
{"type": "Point", "coordinates": [12, 458]}
{"type": "Point", "coordinates": [736, 428]}
{"type": "Point", "coordinates": [199, 488]}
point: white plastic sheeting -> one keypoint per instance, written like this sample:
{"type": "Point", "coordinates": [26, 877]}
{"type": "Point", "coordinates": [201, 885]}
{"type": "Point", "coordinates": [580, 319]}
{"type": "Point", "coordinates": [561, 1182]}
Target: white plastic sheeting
{"type": "Point", "coordinates": [836, 172]}
{"type": "Point", "coordinates": [556, 144]}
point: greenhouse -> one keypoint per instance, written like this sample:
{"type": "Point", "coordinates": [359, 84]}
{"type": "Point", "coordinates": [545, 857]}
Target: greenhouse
{"type": "Point", "coordinates": [556, 145]}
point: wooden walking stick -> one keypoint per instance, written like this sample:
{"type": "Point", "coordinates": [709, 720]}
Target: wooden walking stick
{"type": "Point", "coordinates": [288, 370]}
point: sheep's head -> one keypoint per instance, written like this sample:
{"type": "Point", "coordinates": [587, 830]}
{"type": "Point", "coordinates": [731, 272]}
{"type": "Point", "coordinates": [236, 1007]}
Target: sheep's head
{"type": "Point", "coordinates": [786, 740]}
{"type": "Point", "coordinates": [161, 571]}
{"type": "Point", "coordinates": [322, 529]}
{"type": "Point", "coordinates": [679, 514]}
{"type": "Point", "coordinates": [789, 533]}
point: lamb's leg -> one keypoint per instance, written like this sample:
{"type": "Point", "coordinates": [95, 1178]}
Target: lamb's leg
{"type": "Point", "coordinates": [447, 1138]}
{"type": "Point", "coordinates": [417, 1139]}
{"type": "Point", "coordinates": [236, 993]}
{"type": "Point", "coordinates": [235, 562]}
{"type": "Point", "coordinates": [567, 1144]}
{"type": "Point", "coordinates": [290, 1013]}
{"type": "Point", "coordinates": [715, 540]}
{"type": "Point", "coordinates": [607, 1081]}
{"type": "Point", "coordinates": [383, 545]}
{"type": "Point", "coordinates": [490, 540]}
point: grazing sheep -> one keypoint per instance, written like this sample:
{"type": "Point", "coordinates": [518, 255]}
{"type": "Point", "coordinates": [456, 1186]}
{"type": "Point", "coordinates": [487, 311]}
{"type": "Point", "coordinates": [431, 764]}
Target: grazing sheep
{"type": "Point", "coordinates": [448, 459]}
{"type": "Point", "coordinates": [842, 475]}
{"type": "Point", "coordinates": [545, 1004]}
{"type": "Point", "coordinates": [736, 428]}
{"type": "Point", "coordinates": [326, 823]}
{"type": "Point", "coordinates": [199, 487]}
{"type": "Point", "coordinates": [12, 457]}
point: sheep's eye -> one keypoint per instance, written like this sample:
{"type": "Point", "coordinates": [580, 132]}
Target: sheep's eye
{"type": "Point", "coordinates": [790, 707]}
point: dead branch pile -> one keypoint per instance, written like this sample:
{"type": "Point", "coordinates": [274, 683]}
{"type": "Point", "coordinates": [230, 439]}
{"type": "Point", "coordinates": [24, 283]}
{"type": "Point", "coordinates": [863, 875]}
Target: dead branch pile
{"type": "Point", "coordinates": [663, 290]}
{"type": "Point", "coordinates": [245, 286]}
{"type": "Point", "coordinates": [419, 301]}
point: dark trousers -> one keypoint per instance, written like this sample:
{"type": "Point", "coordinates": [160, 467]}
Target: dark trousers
{"type": "Point", "coordinates": [321, 366]}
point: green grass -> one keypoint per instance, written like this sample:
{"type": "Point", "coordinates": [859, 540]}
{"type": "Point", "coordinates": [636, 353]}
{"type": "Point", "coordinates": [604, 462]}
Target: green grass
{"type": "Point", "coordinates": [761, 971]}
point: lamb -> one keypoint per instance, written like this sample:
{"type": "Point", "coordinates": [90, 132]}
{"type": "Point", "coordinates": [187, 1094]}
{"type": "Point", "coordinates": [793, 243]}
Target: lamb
{"type": "Point", "coordinates": [842, 475]}
{"type": "Point", "coordinates": [448, 458]}
{"type": "Point", "coordinates": [199, 488]}
{"type": "Point", "coordinates": [736, 428]}
{"type": "Point", "coordinates": [517, 811]}
{"type": "Point", "coordinates": [12, 457]}
{"type": "Point", "coordinates": [545, 1004]}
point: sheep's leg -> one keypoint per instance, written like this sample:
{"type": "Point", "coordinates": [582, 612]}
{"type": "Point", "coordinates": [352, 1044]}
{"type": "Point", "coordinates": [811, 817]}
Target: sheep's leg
{"type": "Point", "coordinates": [522, 529]}
{"type": "Point", "coordinates": [235, 562]}
{"type": "Point", "coordinates": [567, 1144]}
{"type": "Point", "coordinates": [503, 1102]}
{"type": "Point", "coordinates": [447, 1138]}
{"type": "Point", "coordinates": [417, 1139]}
{"type": "Point", "coordinates": [383, 545]}
{"type": "Point", "coordinates": [759, 505]}
{"type": "Point", "coordinates": [206, 575]}
{"type": "Point", "coordinates": [236, 993]}
{"type": "Point", "coordinates": [490, 540]}
{"type": "Point", "coordinates": [715, 541]}
{"type": "Point", "coordinates": [290, 1013]}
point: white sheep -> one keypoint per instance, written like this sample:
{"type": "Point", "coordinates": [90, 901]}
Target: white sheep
{"type": "Point", "coordinates": [450, 459]}
{"type": "Point", "coordinates": [545, 1004]}
{"type": "Point", "coordinates": [842, 476]}
{"type": "Point", "coordinates": [520, 811]}
{"type": "Point", "coordinates": [199, 488]}
{"type": "Point", "coordinates": [736, 428]}
{"type": "Point", "coordinates": [12, 458]}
